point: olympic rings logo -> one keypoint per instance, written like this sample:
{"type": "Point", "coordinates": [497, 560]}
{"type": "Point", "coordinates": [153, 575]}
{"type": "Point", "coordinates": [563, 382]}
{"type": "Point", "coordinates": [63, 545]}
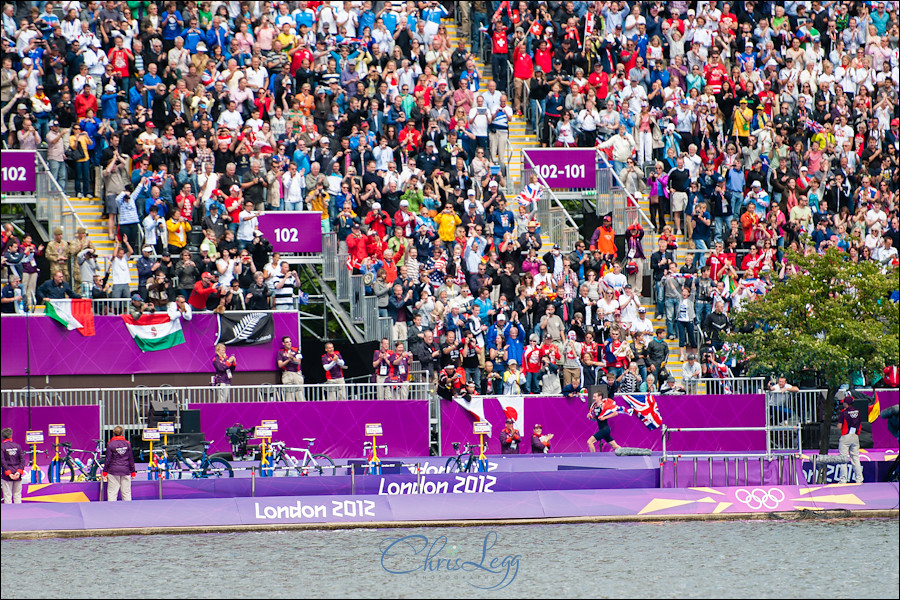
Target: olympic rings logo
{"type": "Point", "coordinates": [760, 498]}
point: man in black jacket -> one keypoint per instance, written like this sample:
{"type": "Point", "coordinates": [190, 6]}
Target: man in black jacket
{"type": "Point", "coordinates": [657, 354]}
{"type": "Point", "coordinates": [659, 264]}
{"type": "Point", "coordinates": [715, 325]}
{"type": "Point", "coordinates": [56, 289]}
{"type": "Point", "coordinates": [428, 354]}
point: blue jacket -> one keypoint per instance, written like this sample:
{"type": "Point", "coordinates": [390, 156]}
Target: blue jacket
{"type": "Point", "coordinates": [516, 346]}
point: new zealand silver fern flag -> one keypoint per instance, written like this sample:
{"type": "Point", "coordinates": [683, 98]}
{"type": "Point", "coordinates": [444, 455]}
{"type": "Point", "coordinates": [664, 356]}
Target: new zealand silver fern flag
{"type": "Point", "coordinates": [245, 328]}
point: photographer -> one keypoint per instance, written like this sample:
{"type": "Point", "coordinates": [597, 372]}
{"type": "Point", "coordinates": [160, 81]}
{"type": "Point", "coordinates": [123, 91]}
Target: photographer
{"type": "Point", "coordinates": [88, 268]}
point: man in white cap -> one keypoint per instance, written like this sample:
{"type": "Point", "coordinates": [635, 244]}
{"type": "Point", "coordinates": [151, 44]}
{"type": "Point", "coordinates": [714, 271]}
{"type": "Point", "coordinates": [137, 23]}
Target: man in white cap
{"type": "Point", "coordinates": [760, 199]}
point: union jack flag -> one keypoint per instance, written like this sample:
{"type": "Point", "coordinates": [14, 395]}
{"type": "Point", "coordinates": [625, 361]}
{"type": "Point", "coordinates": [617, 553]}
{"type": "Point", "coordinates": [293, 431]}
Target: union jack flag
{"type": "Point", "coordinates": [814, 126]}
{"type": "Point", "coordinates": [645, 406]}
{"type": "Point", "coordinates": [530, 195]}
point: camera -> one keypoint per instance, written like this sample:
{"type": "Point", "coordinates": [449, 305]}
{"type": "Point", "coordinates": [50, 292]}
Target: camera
{"type": "Point", "coordinates": [238, 436]}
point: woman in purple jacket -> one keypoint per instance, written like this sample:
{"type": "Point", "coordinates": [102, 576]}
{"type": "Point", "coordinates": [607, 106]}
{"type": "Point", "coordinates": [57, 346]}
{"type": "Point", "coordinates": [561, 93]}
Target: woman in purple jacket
{"type": "Point", "coordinates": [224, 366]}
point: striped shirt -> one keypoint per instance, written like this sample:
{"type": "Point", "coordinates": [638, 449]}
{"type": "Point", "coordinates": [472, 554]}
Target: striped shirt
{"type": "Point", "coordinates": [284, 296]}
{"type": "Point", "coordinates": [501, 117]}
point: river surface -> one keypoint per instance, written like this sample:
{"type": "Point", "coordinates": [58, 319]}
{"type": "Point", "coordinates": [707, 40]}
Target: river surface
{"type": "Point", "coordinates": [726, 559]}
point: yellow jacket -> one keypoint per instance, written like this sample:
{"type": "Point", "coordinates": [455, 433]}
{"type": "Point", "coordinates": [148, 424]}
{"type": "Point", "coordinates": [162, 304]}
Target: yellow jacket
{"type": "Point", "coordinates": [447, 223]}
{"type": "Point", "coordinates": [178, 233]}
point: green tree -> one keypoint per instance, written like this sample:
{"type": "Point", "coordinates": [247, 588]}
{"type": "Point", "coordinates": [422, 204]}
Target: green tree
{"type": "Point", "coordinates": [834, 317]}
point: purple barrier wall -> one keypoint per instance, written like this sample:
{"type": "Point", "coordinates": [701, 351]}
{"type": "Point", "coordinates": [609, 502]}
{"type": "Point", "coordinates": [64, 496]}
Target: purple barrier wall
{"type": "Point", "coordinates": [82, 425]}
{"type": "Point", "coordinates": [510, 505]}
{"type": "Point", "coordinates": [386, 485]}
{"type": "Point", "coordinates": [339, 427]}
{"type": "Point", "coordinates": [112, 351]}
{"type": "Point", "coordinates": [566, 419]}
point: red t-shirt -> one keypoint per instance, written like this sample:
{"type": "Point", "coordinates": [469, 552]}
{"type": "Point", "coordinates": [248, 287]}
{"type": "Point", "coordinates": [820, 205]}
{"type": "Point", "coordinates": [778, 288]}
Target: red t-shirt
{"type": "Point", "coordinates": [544, 59]}
{"type": "Point", "coordinates": [715, 76]}
{"type": "Point", "coordinates": [523, 66]}
{"type": "Point", "coordinates": [119, 61]}
{"type": "Point", "coordinates": [498, 42]}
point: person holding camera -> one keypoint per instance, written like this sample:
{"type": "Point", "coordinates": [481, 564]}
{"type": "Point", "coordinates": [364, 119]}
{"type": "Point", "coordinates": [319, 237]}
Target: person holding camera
{"type": "Point", "coordinates": [224, 366]}
{"type": "Point", "coordinates": [289, 359]}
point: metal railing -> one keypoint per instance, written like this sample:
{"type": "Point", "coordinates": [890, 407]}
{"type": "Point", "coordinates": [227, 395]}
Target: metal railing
{"type": "Point", "coordinates": [128, 407]}
{"type": "Point", "coordinates": [329, 256]}
{"type": "Point", "coordinates": [551, 212]}
{"type": "Point", "coordinates": [52, 202]}
{"type": "Point", "coordinates": [630, 209]}
{"type": "Point", "coordinates": [792, 409]}
{"type": "Point", "coordinates": [731, 385]}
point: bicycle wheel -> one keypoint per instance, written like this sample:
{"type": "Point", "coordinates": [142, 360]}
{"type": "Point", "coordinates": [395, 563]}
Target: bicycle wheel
{"type": "Point", "coordinates": [173, 469]}
{"type": "Point", "coordinates": [453, 465]}
{"type": "Point", "coordinates": [283, 467]}
{"type": "Point", "coordinates": [322, 463]}
{"type": "Point", "coordinates": [218, 467]}
{"type": "Point", "coordinates": [67, 471]}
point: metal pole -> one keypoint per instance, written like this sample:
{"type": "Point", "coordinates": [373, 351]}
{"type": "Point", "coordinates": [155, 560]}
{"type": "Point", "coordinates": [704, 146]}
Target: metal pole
{"type": "Point", "coordinates": [253, 482]}
{"type": "Point", "coordinates": [746, 471]}
{"type": "Point", "coordinates": [695, 471]}
{"type": "Point", "coordinates": [159, 483]}
{"type": "Point", "coordinates": [709, 461]}
{"type": "Point", "coordinates": [675, 472]}
{"type": "Point", "coordinates": [352, 479]}
{"type": "Point", "coordinates": [762, 476]}
{"type": "Point", "coordinates": [797, 460]}
{"type": "Point", "coordinates": [726, 471]}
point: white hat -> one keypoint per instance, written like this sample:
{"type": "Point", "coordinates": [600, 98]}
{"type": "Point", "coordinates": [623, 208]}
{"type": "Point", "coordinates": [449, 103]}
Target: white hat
{"type": "Point", "coordinates": [110, 87]}
{"type": "Point", "coordinates": [376, 206]}
{"type": "Point", "coordinates": [493, 183]}
{"type": "Point", "coordinates": [471, 192]}
{"type": "Point", "coordinates": [404, 203]}
{"type": "Point", "coordinates": [756, 184]}
{"type": "Point", "coordinates": [147, 249]}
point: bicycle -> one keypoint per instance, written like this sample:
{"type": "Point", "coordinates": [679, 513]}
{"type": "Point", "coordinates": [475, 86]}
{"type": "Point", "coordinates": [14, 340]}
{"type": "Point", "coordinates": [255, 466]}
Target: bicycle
{"type": "Point", "coordinates": [278, 456]}
{"type": "Point", "coordinates": [456, 464]}
{"type": "Point", "coordinates": [207, 468]}
{"type": "Point", "coordinates": [71, 468]}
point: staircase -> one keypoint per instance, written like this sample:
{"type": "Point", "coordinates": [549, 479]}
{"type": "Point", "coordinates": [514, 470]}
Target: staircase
{"type": "Point", "coordinates": [90, 211]}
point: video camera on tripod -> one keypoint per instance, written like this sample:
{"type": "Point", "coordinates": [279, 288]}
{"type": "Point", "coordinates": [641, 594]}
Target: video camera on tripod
{"type": "Point", "coordinates": [239, 436]}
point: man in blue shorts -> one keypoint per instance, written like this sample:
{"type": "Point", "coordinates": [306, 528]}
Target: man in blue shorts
{"type": "Point", "coordinates": [598, 407]}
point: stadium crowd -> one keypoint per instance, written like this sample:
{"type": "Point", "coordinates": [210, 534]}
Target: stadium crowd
{"type": "Point", "coordinates": [751, 127]}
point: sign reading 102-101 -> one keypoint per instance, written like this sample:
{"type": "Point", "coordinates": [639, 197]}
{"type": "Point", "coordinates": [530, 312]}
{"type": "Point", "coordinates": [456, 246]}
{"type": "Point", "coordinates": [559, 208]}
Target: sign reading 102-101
{"type": "Point", "coordinates": [564, 168]}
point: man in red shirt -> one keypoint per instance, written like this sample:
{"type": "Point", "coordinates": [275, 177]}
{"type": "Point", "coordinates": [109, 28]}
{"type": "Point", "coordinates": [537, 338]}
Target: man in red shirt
{"type": "Point", "coordinates": [543, 57]}
{"type": "Point", "coordinates": [531, 366]}
{"type": "Point", "coordinates": [717, 263]}
{"type": "Point", "coordinates": [499, 53]}
{"type": "Point", "coordinates": [84, 101]}
{"type": "Point", "coordinates": [203, 289]}
{"type": "Point", "coordinates": [714, 72]}
{"type": "Point", "coordinates": [119, 58]}
{"type": "Point", "coordinates": [523, 70]}
{"type": "Point", "coordinates": [356, 244]}
{"type": "Point", "coordinates": [410, 137]}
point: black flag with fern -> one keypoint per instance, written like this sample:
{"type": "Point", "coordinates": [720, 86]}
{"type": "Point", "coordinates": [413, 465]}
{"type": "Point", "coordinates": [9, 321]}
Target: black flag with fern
{"type": "Point", "coordinates": [245, 328]}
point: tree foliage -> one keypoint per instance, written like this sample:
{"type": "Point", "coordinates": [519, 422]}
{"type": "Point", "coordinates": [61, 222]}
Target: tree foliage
{"type": "Point", "coordinates": [833, 317]}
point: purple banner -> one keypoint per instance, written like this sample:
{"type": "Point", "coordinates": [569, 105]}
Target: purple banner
{"type": "Point", "coordinates": [566, 419]}
{"type": "Point", "coordinates": [82, 426]}
{"type": "Point", "coordinates": [881, 437]}
{"type": "Point", "coordinates": [566, 167]}
{"type": "Point", "coordinates": [339, 427]}
{"type": "Point", "coordinates": [627, 504]}
{"type": "Point", "coordinates": [17, 172]}
{"type": "Point", "coordinates": [292, 231]}
{"type": "Point", "coordinates": [112, 351]}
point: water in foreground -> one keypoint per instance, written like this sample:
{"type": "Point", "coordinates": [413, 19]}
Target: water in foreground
{"type": "Point", "coordinates": [731, 559]}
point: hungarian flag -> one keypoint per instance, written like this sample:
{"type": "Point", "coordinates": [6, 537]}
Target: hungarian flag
{"type": "Point", "coordinates": [874, 408]}
{"type": "Point", "coordinates": [645, 407]}
{"type": "Point", "coordinates": [74, 313]}
{"type": "Point", "coordinates": [154, 332]}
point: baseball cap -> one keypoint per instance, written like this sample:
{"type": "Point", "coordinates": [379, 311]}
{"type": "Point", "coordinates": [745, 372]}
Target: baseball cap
{"type": "Point", "coordinates": [376, 206]}
{"type": "Point", "coordinates": [404, 203]}
{"type": "Point", "coordinates": [501, 317]}
{"type": "Point", "coordinates": [147, 249]}
{"type": "Point", "coordinates": [136, 298]}
{"type": "Point", "coordinates": [471, 192]}
{"type": "Point", "coordinates": [642, 310]}
{"type": "Point", "coordinates": [756, 184]}
{"type": "Point", "coordinates": [509, 420]}
{"type": "Point", "coordinates": [493, 183]}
